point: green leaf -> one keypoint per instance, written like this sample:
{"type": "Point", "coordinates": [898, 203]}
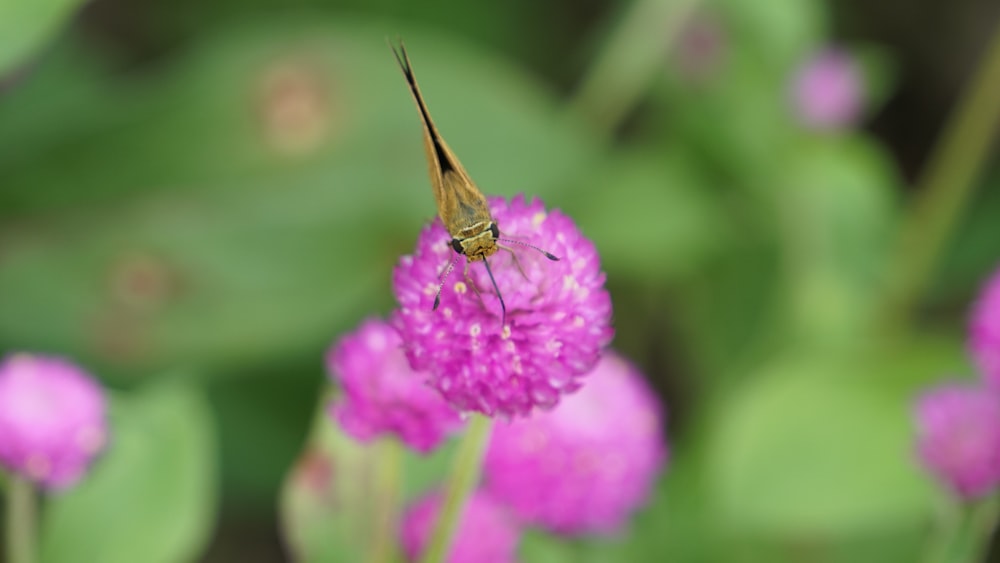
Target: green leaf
{"type": "Point", "coordinates": [650, 215]}
{"type": "Point", "coordinates": [814, 448]}
{"type": "Point", "coordinates": [973, 253]}
{"type": "Point", "coordinates": [835, 208]}
{"type": "Point", "coordinates": [25, 25]}
{"type": "Point", "coordinates": [152, 497]}
{"type": "Point", "coordinates": [777, 32]}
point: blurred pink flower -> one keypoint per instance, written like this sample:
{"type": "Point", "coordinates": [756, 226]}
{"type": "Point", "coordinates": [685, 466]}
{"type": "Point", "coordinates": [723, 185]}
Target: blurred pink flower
{"type": "Point", "coordinates": [558, 314]}
{"type": "Point", "coordinates": [958, 437]}
{"type": "Point", "coordinates": [585, 466]}
{"type": "Point", "coordinates": [52, 419]}
{"type": "Point", "coordinates": [984, 331]}
{"type": "Point", "coordinates": [828, 90]}
{"type": "Point", "coordinates": [486, 533]}
{"type": "Point", "coordinates": [382, 395]}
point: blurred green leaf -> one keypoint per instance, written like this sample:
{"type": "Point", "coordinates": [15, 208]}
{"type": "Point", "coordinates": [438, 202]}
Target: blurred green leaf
{"type": "Point", "coordinates": [804, 450]}
{"type": "Point", "coordinates": [776, 32]}
{"type": "Point", "coordinates": [650, 215]}
{"type": "Point", "coordinates": [973, 253]}
{"type": "Point", "coordinates": [835, 208]}
{"type": "Point", "coordinates": [263, 416]}
{"type": "Point", "coordinates": [299, 101]}
{"type": "Point", "coordinates": [151, 498]}
{"type": "Point", "coordinates": [25, 25]}
{"type": "Point", "coordinates": [544, 548]}
{"type": "Point", "coordinates": [735, 121]}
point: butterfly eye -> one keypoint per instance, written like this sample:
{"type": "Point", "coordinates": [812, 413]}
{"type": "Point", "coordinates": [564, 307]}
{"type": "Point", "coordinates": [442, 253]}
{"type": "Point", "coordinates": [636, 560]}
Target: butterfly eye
{"type": "Point", "coordinates": [495, 231]}
{"type": "Point", "coordinates": [457, 245]}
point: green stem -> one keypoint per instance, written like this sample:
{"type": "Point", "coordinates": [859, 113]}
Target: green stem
{"type": "Point", "coordinates": [632, 56]}
{"type": "Point", "coordinates": [955, 165]}
{"type": "Point", "coordinates": [984, 522]}
{"type": "Point", "coordinates": [463, 479]}
{"type": "Point", "coordinates": [21, 520]}
{"type": "Point", "coordinates": [389, 477]}
{"type": "Point", "coordinates": [965, 534]}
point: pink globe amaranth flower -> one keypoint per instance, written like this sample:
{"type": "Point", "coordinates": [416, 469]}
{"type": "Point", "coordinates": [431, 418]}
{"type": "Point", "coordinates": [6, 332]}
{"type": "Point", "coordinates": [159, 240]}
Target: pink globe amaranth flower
{"type": "Point", "coordinates": [958, 437]}
{"type": "Point", "coordinates": [557, 322]}
{"type": "Point", "coordinates": [382, 395]}
{"type": "Point", "coordinates": [984, 331]}
{"type": "Point", "coordinates": [486, 533]}
{"type": "Point", "coordinates": [828, 91]}
{"type": "Point", "coordinates": [52, 419]}
{"type": "Point", "coordinates": [585, 466]}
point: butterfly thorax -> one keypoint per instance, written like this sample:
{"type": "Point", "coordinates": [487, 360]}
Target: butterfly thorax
{"type": "Point", "coordinates": [477, 241]}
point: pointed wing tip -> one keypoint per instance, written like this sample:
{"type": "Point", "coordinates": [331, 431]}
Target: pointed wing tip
{"type": "Point", "coordinates": [399, 50]}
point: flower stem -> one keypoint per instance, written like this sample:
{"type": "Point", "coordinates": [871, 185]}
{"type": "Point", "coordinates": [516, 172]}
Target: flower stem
{"type": "Point", "coordinates": [946, 186]}
{"type": "Point", "coordinates": [389, 460]}
{"type": "Point", "coordinates": [966, 535]}
{"type": "Point", "coordinates": [462, 480]}
{"type": "Point", "coordinates": [21, 516]}
{"type": "Point", "coordinates": [631, 57]}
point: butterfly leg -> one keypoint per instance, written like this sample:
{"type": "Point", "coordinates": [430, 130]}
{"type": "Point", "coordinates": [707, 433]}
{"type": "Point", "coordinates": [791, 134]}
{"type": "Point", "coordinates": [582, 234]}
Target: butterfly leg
{"type": "Point", "coordinates": [517, 261]}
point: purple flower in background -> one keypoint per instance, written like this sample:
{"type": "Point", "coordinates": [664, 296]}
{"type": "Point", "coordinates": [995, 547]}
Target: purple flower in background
{"type": "Point", "coordinates": [486, 533]}
{"type": "Point", "coordinates": [558, 314]}
{"type": "Point", "coordinates": [52, 419]}
{"type": "Point", "coordinates": [958, 437]}
{"type": "Point", "coordinates": [586, 465]}
{"type": "Point", "coordinates": [984, 331]}
{"type": "Point", "coordinates": [828, 90]}
{"type": "Point", "coordinates": [382, 395]}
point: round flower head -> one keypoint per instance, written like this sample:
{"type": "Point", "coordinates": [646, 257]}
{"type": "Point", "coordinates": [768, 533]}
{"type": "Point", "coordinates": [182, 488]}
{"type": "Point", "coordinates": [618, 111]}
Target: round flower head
{"type": "Point", "coordinates": [557, 319]}
{"type": "Point", "coordinates": [586, 465]}
{"type": "Point", "coordinates": [382, 395]}
{"type": "Point", "coordinates": [984, 332]}
{"type": "Point", "coordinates": [52, 419]}
{"type": "Point", "coordinates": [827, 91]}
{"type": "Point", "coordinates": [958, 438]}
{"type": "Point", "coordinates": [486, 533]}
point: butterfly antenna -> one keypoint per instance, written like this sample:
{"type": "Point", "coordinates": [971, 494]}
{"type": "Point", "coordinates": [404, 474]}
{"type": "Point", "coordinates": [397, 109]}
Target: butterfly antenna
{"type": "Point", "coordinates": [503, 308]}
{"type": "Point", "coordinates": [444, 278]}
{"type": "Point", "coordinates": [548, 255]}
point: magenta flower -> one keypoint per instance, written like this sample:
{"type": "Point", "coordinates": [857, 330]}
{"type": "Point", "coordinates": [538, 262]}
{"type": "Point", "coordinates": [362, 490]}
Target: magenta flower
{"type": "Point", "coordinates": [558, 314]}
{"type": "Point", "coordinates": [828, 91]}
{"type": "Point", "coordinates": [586, 465]}
{"type": "Point", "coordinates": [382, 395]}
{"type": "Point", "coordinates": [984, 331]}
{"type": "Point", "coordinates": [486, 533]}
{"type": "Point", "coordinates": [52, 419]}
{"type": "Point", "coordinates": [958, 437]}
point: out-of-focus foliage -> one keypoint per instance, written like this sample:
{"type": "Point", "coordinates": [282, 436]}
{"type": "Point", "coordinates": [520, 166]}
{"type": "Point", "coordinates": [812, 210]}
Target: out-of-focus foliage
{"type": "Point", "coordinates": [221, 190]}
{"type": "Point", "coordinates": [25, 25]}
{"type": "Point", "coordinates": [152, 496]}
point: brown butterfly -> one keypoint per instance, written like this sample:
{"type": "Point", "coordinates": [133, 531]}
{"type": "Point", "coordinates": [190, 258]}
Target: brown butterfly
{"type": "Point", "coordinates": [461, 206]}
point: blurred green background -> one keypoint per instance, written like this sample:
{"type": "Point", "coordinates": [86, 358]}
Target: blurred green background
{"type": "Point", "coordinates": [197, 198]}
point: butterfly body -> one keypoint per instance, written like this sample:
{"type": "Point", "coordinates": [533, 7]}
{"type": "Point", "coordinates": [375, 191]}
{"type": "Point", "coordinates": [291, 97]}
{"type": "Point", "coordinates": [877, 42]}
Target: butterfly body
{"type": "Point", "coordinates": [461, 206]}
